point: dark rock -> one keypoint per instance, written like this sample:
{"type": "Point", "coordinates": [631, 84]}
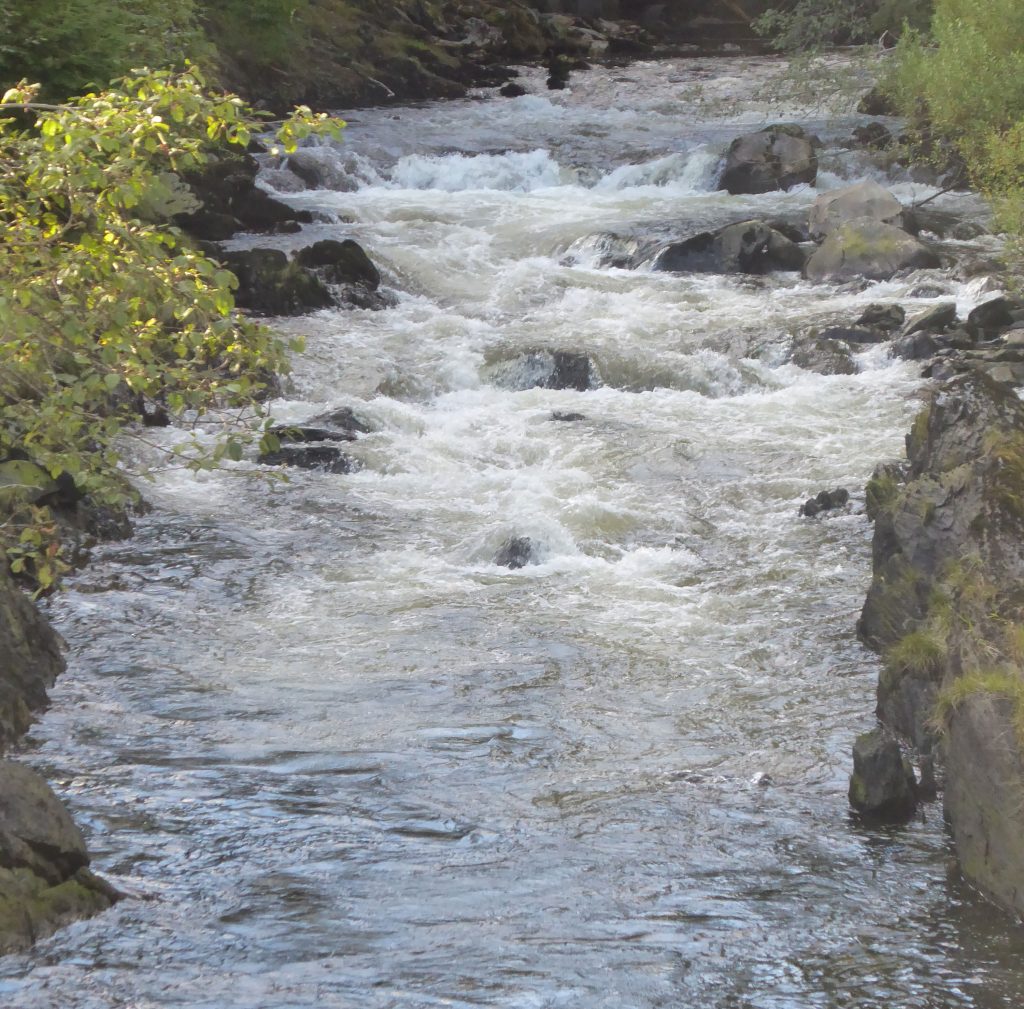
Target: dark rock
{"type": "Point", "coordinates": [882, 785]}
{"type": "Point", "coordinates": [515, 552]}
{"type": "Point", "coordinates": [342, 419]}
{"type": "Point", "coordinates": [873, 135]}
{"type": "Point", "coordinates": [941, 223]}
{"type": "Point", "coordinates": [993, 316]}
{"type": "Point", "coordinates": [887, 317]}
{"type": "Point", "coordinates": [270, 284]}
{"type": "Point", "coordinates": [748, 247]}
{"type": "Point", "coordinates": [870, 250]}
{"type": "Point", "coordinates": [289, 434]}
{"type": "Point", "coordinates": [340, 263]}
{"type": "Point", "coordinates": [316, 457]}
{"type": "Point", "coordinates": [863, 201]}
{"type": "Point", "coordinates": [258, 212]}
{"type": "Point", "coordinates": [916, 347]}
{"type": "Point", "coordinates": [826, 500]}
{"type": "Point", "coordinates": [545, 369]}
{"type": "Point", "coordinates": [567, 418]}
{"type": "Point", "coordinates": [936, 319]}
{"type": "Point", "coordinates": [512, 90]}
{"type": "Point", "coordinates": [876, 103]}
{"type": "Point", "coordinates": [826, 357]}
{"type": "Point", "coordinates": [777, 157]}
{"type": "Point", "coordinates": [853, 334]}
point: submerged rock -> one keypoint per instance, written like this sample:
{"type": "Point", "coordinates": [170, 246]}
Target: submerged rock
{"type": "Point", "coordinates": [326, 458]}
{"type": "Point", "coordinates": [516, 552]}
{"type": "Point", "coordinates": [747, 247]}
{"type": "Point", "coordinates": [870, 250]}
{"type": "Point", "coordinates": [777, 157]}
{"type": "Point", "coordinates": [882, 785]}
{"type": "Point", "coordinates": [544, 369]}
{"type": "Point", "coordinates": [826, 500]}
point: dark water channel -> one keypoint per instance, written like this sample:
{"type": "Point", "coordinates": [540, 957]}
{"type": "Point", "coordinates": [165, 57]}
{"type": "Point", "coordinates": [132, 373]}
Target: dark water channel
{"type": "Point", "coordinates": [339, 758]}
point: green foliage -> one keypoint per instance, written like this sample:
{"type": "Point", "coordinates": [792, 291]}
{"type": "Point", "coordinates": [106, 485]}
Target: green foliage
{"type": "Point", "coordinates": [920, 653]}
{"type": "Point", "coordinates": [103, 311]}
{"type": "Point", "coordinates": [994, 683]}
{"type": "Point", "coordinates": [803, 25]}
{"type": "Point", "coordinates": [964, 86]}
{"type": "Point", "coordinates": [70, 45]}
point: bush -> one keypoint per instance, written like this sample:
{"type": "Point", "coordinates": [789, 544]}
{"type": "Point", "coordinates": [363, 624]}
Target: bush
{"type": "Point", "coordinates": [964, 87]}
{"type": "Point", "coordinates": [71, 45]}
{"type": "Point", "coordinates": [103, 310]}
{"type": "Point", "coordinates": [811, 24]}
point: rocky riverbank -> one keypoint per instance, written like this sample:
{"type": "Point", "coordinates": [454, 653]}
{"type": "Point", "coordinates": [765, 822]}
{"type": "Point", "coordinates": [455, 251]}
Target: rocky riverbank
{"type": "Point", "coordinates": [45, 880]}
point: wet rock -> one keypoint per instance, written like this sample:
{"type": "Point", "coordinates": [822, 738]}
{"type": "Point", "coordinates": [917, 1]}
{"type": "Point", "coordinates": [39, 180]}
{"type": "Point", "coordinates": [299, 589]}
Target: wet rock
{"type": "Point", "coordinates": [826, 357]}
{"type": "Point", "coordinates": [941, 223]}
{"type": "Point", "coordinates": [993, 316]}
{"type": "Point", "coordinates": [936, 319]}
{"type": "Point", "coordinates": [342, 419]}
{"type": "Point", "coordinates": [854, 334]}
{"type": "Point", "coordinates": [879, 316]}
{"type": "Point", "coordinates": [567, 418]}
{"type": "Point", "coordinates": [873, 136]}
{"type": "Point", "coordinates": [346, 267]}
{"type": "Point", "coordinates": [319, 168]}
{"type": "Point", "coordinates": [917, 347]}
{"type": "Point", "coordinates": [863, 201]}
{"type": "Point", "coordinates": [512, 90]}
{"type": "Point", "coordinates": [826, 500]}
{"type": "Point", "coordinates": [326, 458]}
{"type": "Point", "coordinates": [544, 369]}
{"type": "Point", "coordinates": [777, 157]}
{"type": "Point", "coordinates": [230, 202]}
{"type": "Point", "coordinates": [876, 103]}
{"type": "Point", "coordinates": [882, 785]}
{"type": "Point", "coordinates": [868, 249]}
{"type": "Point", "coordinates": [748, 247]}
{"type": "Point", "coordinates": [270, 284]}
{"type": "Point", "coordinates": [516, 552]}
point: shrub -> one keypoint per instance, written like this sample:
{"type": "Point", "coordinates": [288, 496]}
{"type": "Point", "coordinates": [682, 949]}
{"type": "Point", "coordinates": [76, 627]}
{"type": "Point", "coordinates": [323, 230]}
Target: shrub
{"type": "Point", "coordinates": [104, 311]}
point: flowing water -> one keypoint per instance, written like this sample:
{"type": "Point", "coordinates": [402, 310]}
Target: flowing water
{"type": "Point", "coordinates": [339, 758]}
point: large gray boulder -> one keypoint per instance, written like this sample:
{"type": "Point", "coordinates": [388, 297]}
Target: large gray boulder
{"type": "Point", "coordinates": [747, 247]}
{"type": "Point", "coordinates": [861, 201]}
{"type": "Point", "coordinates": [870, 250]}
{"type": "Point", "coordinates": [777, 157]}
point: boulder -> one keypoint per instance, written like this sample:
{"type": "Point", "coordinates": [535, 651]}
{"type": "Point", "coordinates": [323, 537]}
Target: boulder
{"type": "Point", "coordinates": [936, 319]}
{"type": "Point", "coordinates": [917, 346]}
{"type": "Point", "coordinates": [747, 247]}
{"type": "Point", "coordinates": [777, 157]}
{"type": "Point", "coordinates": [882, 785]}
{"type": "Point", "coordinates": [826, 500]}
{"type": "Point", "coordinates": [879, 316]}
{"type": "Point", "coordinates": [869, 250]}
{"type": "Point", "coordinates": [326, 458]}
{"type": "Point", "coordinates": [270, 284]}
{"type": "Point", "coordinates": [861, 201]}
{"type": "Point", "coordinates": [343, 262]}
{"type": "Point", "coordinates": [342, 419]}
{"type": "Point", "coordinates": [993, 316]}
{"type": "Point", "coordinates": [515, 552]}
{"type": "Point", "coordinates": [567, 417]}
{"type": "Point", "coordinates": [512, 90]}
{"type": "Point", "coordinates": [319, 168]}
{"type": "Point", "coordinates": [826, 357]}
{"type": "Point", "coordinates": [873, 136]}
{"type": "Point", "coordinates": [545, 369]}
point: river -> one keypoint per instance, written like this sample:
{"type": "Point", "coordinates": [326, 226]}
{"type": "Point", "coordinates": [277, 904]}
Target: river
{"type": "Point", "coordinates": [339, 758]}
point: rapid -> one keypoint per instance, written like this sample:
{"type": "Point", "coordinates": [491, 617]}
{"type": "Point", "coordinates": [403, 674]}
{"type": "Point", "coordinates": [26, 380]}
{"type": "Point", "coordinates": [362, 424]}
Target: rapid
{"type": "Point", "coordinates": [339, 758]}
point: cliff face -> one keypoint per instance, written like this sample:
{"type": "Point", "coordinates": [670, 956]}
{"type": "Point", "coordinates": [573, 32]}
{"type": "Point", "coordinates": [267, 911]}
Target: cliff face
{"type": "Point", "coordinates": [946, 611]}
{"type": "Point", "coordinates": [44, 877]}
